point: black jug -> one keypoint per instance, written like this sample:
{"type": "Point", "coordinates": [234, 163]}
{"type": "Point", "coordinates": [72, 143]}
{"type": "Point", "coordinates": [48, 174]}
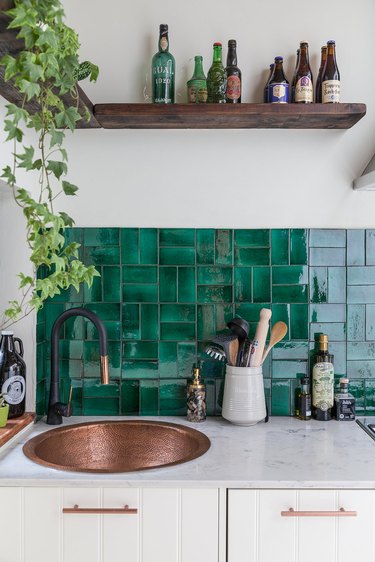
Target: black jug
{"type": "Point", "coordinates": [12, 374]}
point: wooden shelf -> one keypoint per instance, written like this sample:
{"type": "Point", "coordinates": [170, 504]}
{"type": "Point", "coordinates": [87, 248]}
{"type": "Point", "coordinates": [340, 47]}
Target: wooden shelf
{"type": "Point", "coordinates": [223, 116]}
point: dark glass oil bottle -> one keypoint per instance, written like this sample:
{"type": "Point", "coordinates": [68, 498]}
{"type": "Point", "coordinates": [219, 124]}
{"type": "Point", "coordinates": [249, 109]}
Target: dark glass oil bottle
{"type": "Point", "coordinates": [163, 70]}
{"type": "Point", "coordinates": [302, 88]}
{"type": "Point", "coordinates": [234, 80]}
{"type": "Point", "coordinates": [12, 375]}
{"type": "Point", "coordinates": [323, 382]}
{"type": "Point", "coordinates": [216, 77]}
{"type": "Point", "coordinates": [318, 86]}
{"type": "Point", "coordinates": [304, 400]}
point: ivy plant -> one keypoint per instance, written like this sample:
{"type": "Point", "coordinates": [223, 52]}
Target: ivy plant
{"type": "Point", "coordinates": [47, 68]}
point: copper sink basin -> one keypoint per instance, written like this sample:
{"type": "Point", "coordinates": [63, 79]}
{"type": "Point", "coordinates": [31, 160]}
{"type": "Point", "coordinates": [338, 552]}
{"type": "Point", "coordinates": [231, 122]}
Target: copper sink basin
{"type": "Point", "coordinates": [116, 446]}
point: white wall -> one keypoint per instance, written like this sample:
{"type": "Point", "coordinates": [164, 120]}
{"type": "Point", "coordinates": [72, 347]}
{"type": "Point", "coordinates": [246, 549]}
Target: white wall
{"type": "Point", "coordinates": [244, 178]}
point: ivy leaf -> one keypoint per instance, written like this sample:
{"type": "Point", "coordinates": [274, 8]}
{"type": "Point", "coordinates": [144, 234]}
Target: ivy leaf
{"type": "Point", "coordinates": [64, 154]}
{"type": "Point", "coordinates": [13, 131]}
{"type": "Point", "coordinates": [69, 188]}
{"type": "Point", "coordinates": [17, 112]}
{"type": "Point", "coordinates": [26, 159]}
{"type": "Point", "coordinates": [21, 17]}
{"type": "Point", "coordinates": [29, 88]}
{"type": "Point", "coordinates": [47, 38]}
{"type": "Point", "coordinates": [11, 66]}
{"type": "Point", "coordinates": [25, 280]}
{"type": "Point", "coordinates": [57, 167]}
{"type": "Point", "coordinates": [67, 118]}
{"type": "Point", "coordinates": [34, 71]}
{"type": "Point", "coordinates": [8, 175]}
{"type": "Point", "coordinates": [37, 164]}
{"type": "Point", "coordinates": [94, 72]}
{"type": "Point", "coordinates": [68, 221]}
{"type": "Point", "coordinates": [57, 137]}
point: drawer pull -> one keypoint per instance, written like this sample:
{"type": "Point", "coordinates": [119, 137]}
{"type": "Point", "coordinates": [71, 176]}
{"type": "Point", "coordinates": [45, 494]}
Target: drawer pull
{"type": "Point", "coordinates": [126, 510]}
{"type": "Point", "coordinates": [340, 513]}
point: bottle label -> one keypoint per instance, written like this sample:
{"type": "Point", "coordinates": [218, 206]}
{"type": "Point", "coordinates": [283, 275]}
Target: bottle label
{"type": "Point", "coordinates": [197, 91]}
{"type": "Point", "coordinates": [304, 90]}
{"type": "Point", "coordinates": [331, 91]}
{"type": "Point", "coordinates": [163, 43]}
{"type": "Point", "coordinates": [322, 378]}
{"type": "Point", "coordinates": [14, 388]}
{"type": "Point", "coordinates": [278, 93]}
{"type": "Point", "coordinates": [163, 82]}
{"type": "Point", "coordinates": [233, 88]}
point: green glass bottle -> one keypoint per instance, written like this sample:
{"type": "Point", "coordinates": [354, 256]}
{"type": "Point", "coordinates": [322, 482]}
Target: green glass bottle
{"type": "Point", "coordinates": [197, 85]}
{"type": "Point", "coordinates": [163, 70]}
{"type": "Point", "coordinates": [216, 78]}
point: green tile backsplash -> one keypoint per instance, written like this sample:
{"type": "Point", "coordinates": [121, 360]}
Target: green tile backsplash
{"type": "Point", "coordinates": [163, 293]}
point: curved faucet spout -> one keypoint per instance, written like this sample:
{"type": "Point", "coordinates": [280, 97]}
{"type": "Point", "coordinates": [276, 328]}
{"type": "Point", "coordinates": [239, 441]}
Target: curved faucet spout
{"type": "Point", "coordinates": [55, 408]}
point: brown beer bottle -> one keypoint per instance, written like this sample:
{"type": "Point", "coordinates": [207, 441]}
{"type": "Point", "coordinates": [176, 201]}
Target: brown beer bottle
{"type": "Point", "coordinates": [302, 89]}
{"type": "Point", "coordinates": [331, 76]}
{"type": "Point", "coordinates": [318, 88]}
{"type": "Point", "coordinates": [233, 89]}
{"type": "Point", "coordinates": [295, 73]}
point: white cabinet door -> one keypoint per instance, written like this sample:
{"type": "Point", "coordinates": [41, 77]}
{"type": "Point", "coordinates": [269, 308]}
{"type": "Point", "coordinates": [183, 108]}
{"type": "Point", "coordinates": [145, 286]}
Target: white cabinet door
{"type": "Point", "coordinates": [356, 535]}
{"type": "Point", "coordinates": [11, 549]}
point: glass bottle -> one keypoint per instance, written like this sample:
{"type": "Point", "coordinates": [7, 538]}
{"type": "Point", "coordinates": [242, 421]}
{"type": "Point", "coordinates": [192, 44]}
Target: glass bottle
{"type": "Point", "coordinates": [295, 72]}
{"type": "Point", "coordinates": [323, 381]}
{"type": "Point", "coordinates": [344, 402]}
{"type": "Point", "coordinates": [278, 88]}
{"type": "Point", "coordinates": [303, 91]}
{"type": "Point", "coordinates": [196, 398]}
{"type": "Point", "coordinates": [318, 86]}
{"type": "Point", "coordinates": [163, 70]}
{"type": "Point", "coordinates": [265, 94]}
{"type": "Point", "coordinates": [216, 78]}
{"type": "Point", "coordinates": [304, 400]}
{"type": "Point", "coordinates": [12, 374]}
{"type": "Point", "coordinates": [234, 80]}
{"type": "Point", "coordinates": [331, 76]}
{"type": "Point", "coordinates": [197, 85]}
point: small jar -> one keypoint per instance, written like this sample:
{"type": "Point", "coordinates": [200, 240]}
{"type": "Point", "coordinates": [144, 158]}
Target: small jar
{"type": "Point", "coordinates": [196, 398]}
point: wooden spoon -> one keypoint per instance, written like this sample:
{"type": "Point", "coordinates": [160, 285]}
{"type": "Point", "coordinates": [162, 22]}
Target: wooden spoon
{"type": "Point", "coordinates": [233, 351]}
{"type": "Point", "coordinates": [278, 331]}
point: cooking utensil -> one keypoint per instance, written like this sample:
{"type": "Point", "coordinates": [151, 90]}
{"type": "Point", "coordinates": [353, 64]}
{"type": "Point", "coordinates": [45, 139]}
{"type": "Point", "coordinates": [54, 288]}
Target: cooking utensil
{"type": "Point", "coordinates": [224, 340]}
{"type": "Point", "coordinates": [278, 332]}
{"type": "Point", "coordinates": [216, 352]}
{"type": "Point", "coordinates": [240, 328]}
{"type": "Point", "coordinates": [233, 351]}
{"type": "Point", "coordinates": [260, 337]}
{"type": "Point", "coordinates": [246, 352]}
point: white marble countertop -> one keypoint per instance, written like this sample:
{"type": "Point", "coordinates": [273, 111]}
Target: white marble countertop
{"type": "Point", "coordinates": [283, 453]}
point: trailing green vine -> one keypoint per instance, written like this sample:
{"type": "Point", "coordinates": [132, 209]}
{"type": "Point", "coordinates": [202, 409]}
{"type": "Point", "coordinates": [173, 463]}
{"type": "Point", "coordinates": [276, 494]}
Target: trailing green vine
{"type": "Point", "coordinates": [46, 69]}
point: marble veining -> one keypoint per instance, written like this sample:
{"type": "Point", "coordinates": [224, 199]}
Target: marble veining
{"type": "Point", "coordinates": [283, 453]}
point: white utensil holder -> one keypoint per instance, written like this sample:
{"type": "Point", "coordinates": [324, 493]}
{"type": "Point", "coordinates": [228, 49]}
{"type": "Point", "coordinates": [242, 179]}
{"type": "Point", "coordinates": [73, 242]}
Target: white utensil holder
{"type": "Point", "coordinates": [243, 401]}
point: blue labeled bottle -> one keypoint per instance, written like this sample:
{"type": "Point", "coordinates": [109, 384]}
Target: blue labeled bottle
{"type": "Point", "coordinates": [278, 87]}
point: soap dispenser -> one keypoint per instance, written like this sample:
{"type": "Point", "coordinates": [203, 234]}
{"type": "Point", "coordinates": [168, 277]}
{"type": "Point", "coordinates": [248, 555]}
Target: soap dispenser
{"type": "Point", "coordinates": [196, 398]}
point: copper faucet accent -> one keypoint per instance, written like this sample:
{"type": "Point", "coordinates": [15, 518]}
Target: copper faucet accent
{"type": "Point", "coordinates": [57, 409]}
{"type": "Point", "coordinates": [116, 446]}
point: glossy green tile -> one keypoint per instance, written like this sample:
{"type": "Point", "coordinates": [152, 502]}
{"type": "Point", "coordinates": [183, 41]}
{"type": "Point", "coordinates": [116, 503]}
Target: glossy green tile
{"type": "Point", "coordinates": [369, 398]}
{"type": "Point", "coordinates": [40, 395]}
{"type": "Point", "coordinates": [357, 389]}
{"type": "Point", "coordinates": [131, 326]}
{"type": "Point", "coordinates": [255, 238]}
{"type": "Point", "coordinates": [261, 284]}
{"type": "Point", "coordinates": [101, 255]}
{"type": "Point", "coordinates": [299, 246]}
{"type": "Point", "coordinates": [289, 369]}
{"type": "Point", "coordinates": [140, 350]}
{"type": "Point", "coordinates": [337, 284]}
{"type": "Point", "coordinates": [149, 398]}
{"type": "Point", "coordinates": [140, 293]}
{"type": "Point", "coordinates": [370, 247]}
{"type": "Point", "coordinates": [210, 397]}
{"type": "Point", "coordinates": [73, 328]}
{"type": "Point", "coordinates": [101, 407]}
{"type": "Point", "coordinates": [74, 235]}
{"type": "Point", "coordinates": [111, 277]}
{"type": "Point", "coordinates": [101, 236]}
{"type": "Point", "coordinates": [291, 350]}
{"type": "Point", "coordinates": [211, 294]}
{"type": "Point", "coordinates": [105, 311]}
{"type": "Point", "coordinates": [186, 358]}
{"type": "Point", "coordinates": [280, 398]}
{"type": "Point", "coordinates": [177, 256]}
{"type": "Point", "coordinates": [168, 284]}
{"type": "Point", "coordinates": [318, 284]}
{"type": "Point", "coordinates": [361, 350]}
{"type": "Point", "coordinates": [299, 316]}
{"type": "Point", "coordinates": [336, 331]}
{"type": "Point", "coordinates": [250, 311]}
{"type": "Point", "coordinates": [93, 388]}
{"type": "Point", "coordinates": [280, 312]}
{"type": "Point", "coordinates": [361, 275]}
{"type": "Point", "coordinates": [91, 356]}
{"type": "Point", "coordinates": [214, 275]}
{"type": "Point", "coordinates": [148, 245]}
{"type": "Point", "coordinates": [252, 256]}
{"type": "Point", "coordinates": [328, 256]}
{"type": "Point", "coordinates": [290, 293]}
{"type": "Point", "coordinates": [290, 275]}
{"type": "Point", "coordinates": [138, 369]}
{"type": "Point", "coordinates": [77, 397]}
{"type": "Point", "coordinates": [129, 245]}
{"type": "Point", "coordinates": [355, 247]}
{"type": "Point", "coordinates": [177, 237]}
{"type": "Point", "coordinates": [356, 324]}
{"type": "Point", "coordinates": [280, 246]}
{"type": "Point", "coordinates": [52, 311]}
{"type": "Point", "coordinates": [361, 294]}
{"type": "Point", "coordinates": [69, 295]}
{"type": "Point", "coordinates": [73, 369]}
{"type": "Point", "coordinates": [172, 398]}
{"type": "Point", "coordinates": [370, 322]}
{"type": "Point", "coordinates": [361, 369]}
{"type": "Point", "coordinates": [186, 284]}
{"type": "Point", "coordinates": [206, 321]}
{"type": "Point", "coordinates": [177, 313]}
{"type": "Point", "coordinates": [167, 359]}
{"type": "Point", "coordinates": [113, 329]}
{"type": "Point", "coordinates": [69, 349]}
{"type": "Point", "coordinates": [95, 292]}
{"type": "Point", "coordinates": [129, 398]}
{"type": "Point", "coordinates": [139, 274]}
{"type": "Point", "coordinates": [223, 247]}
{"type": "Point", "coordinates": [205, 246]}
{"type": "Point", "coordinates": [328, 238]}
{"type": "Point", "coordinates": [327, 313]}
{"type": "Point", "coordinates": [177, 331]}
{"type": "Point", "coordinates": [243, 284]}
{"type": "Point", "coordinates": [149, 322]}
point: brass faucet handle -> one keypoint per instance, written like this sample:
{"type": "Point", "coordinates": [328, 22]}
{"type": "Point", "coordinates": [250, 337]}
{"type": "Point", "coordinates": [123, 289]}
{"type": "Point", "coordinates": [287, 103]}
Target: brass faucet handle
{"type": "Point", "coordinates": [104, 369]}
{"type": "Point", "coordinates": [69, 409]}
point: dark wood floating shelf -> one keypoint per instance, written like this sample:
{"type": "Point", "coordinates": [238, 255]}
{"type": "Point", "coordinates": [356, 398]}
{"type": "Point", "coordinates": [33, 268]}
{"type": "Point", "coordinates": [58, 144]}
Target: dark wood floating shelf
{"type": "Point", "coordinates": [222, 116]}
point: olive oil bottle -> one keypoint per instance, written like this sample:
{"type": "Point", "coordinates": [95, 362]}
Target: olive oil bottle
{"type": "Point", "coordinates": [323, 382]}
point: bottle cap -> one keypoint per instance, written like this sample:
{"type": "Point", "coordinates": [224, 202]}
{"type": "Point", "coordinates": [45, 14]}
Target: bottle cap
{"type": "Point", "coordinates": [331, 42]}
{"type": "Point", "coordinates": [7, 333]}
{"type": "Point", "coordinates": [163, 28]}
{"type": "Point", "coordinates": [305, 381]}
{"type": "Point", "coordinates": [197, 381]}
{"type": "Point", "coordinates": [217, 44]}
{"type": "Point", "coordinates": [232, 43]}
{"type": "Point", "coordinates": [279, 59]}
{"type": "Point", "coordinates": [344, 381]}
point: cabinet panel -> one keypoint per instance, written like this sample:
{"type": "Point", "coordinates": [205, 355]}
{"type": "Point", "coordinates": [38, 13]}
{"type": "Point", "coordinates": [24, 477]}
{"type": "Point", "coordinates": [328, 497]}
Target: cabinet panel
{"type": "Point", "coordinates": [356, 535]}
{"type": "Point", "coordinates": [11, 525]}
{"type": "Point", "coordinates": [42, 509]}
{"type": "Point", "coordinates": [160, 525]}
{"type": "Point", "coordinates": [81, 532]}
{"type": "Point", "coordinates": [318, 530]}
{"type": "Point", "coordinates": [276, 534]}
{"type": "Point", "coordinates": [120, 532]}
{"type": "Point", "coordinates": [242, 525]}
{"type": "Point", "coordinates": [199, 525]}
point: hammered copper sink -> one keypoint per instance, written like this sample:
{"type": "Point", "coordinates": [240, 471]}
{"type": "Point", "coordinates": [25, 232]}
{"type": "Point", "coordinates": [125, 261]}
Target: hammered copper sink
{"type": "Point", "coordinates": [116, 446]}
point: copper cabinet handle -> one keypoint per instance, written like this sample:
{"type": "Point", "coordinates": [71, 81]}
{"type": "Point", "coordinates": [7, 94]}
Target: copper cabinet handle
{"type": "Point", "coordinates": [340, 513]}
{"type": "Point", "coordinates": [126, 510]}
